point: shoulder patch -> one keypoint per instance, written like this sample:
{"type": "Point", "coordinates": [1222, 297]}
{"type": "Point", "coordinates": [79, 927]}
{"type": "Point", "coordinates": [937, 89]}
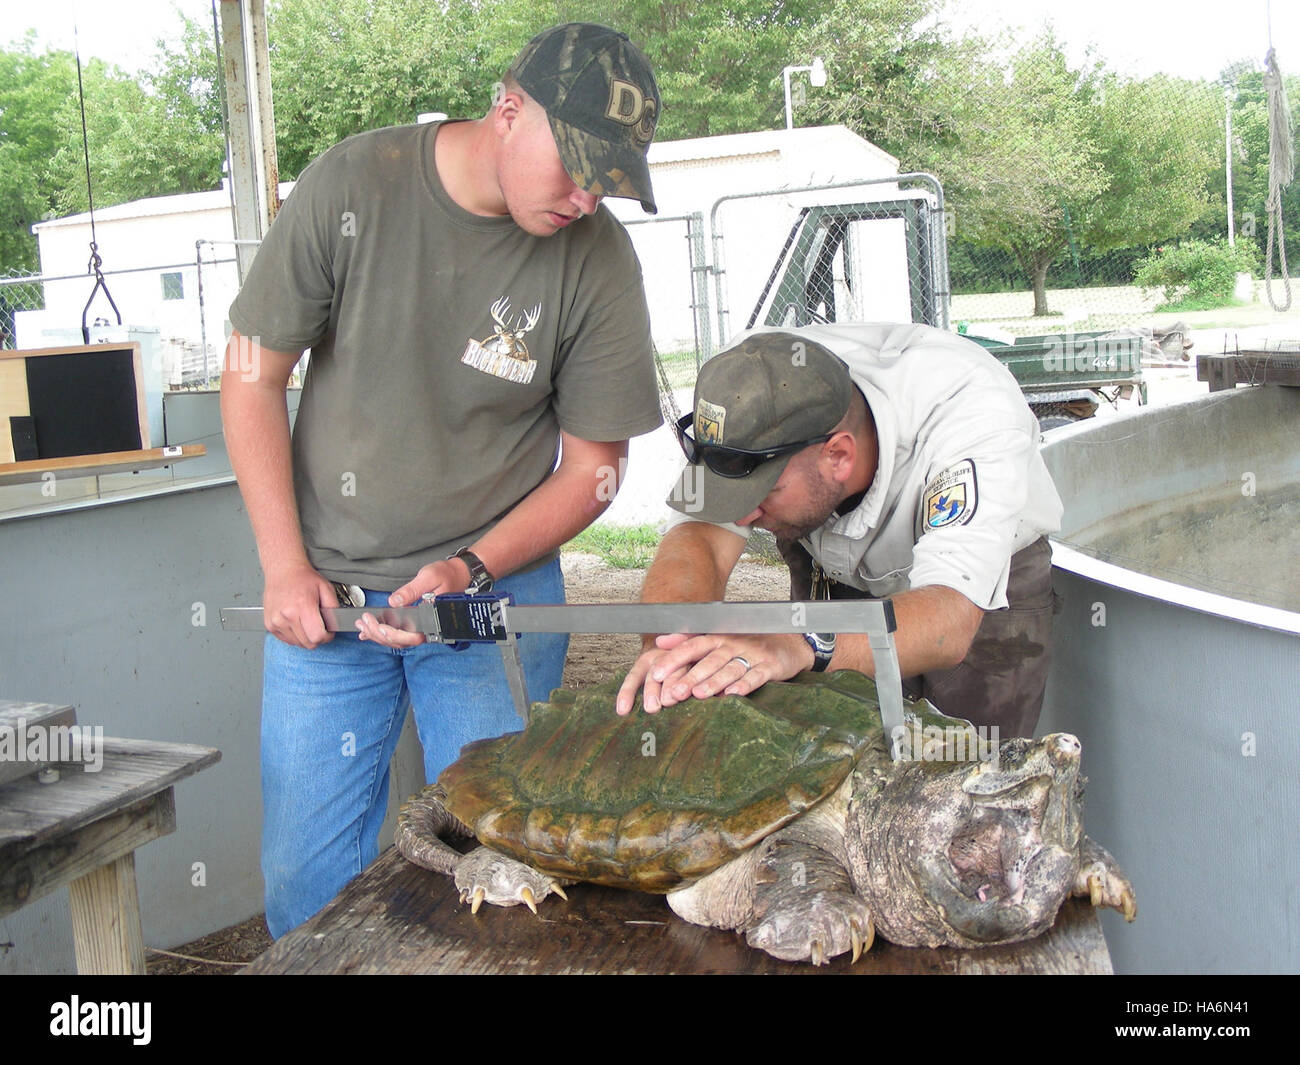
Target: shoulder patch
{"type": "Point", "coordinates": [709, 420]}
{"type": "Point", "coordinates": [951, 497]}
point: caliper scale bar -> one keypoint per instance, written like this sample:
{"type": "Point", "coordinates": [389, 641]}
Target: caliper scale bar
{"type": "Point", "coordinates": [465, 619]}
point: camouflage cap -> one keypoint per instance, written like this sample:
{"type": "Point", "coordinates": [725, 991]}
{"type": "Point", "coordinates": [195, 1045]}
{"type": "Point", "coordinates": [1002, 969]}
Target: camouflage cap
{"type": "Point", "coordinates": [770, 389]}
{"type": "Point", "coordinates": [602, 101]}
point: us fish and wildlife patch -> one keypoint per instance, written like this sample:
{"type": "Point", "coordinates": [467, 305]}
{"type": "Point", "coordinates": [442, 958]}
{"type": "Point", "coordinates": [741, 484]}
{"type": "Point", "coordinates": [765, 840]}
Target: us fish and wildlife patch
{"type": "Point", "coordinates": [951, 497]}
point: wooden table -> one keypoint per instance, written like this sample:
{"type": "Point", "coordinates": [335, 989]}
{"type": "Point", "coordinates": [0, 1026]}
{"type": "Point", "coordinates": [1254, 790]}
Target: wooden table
{"type": "Point", "coordinates": [399, 918]}
{"type": "Point", "coordinates": [82, 830]}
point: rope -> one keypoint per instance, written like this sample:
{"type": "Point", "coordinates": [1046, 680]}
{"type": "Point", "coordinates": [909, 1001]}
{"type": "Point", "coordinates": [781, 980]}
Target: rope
{"type": "Point", "coordinates": [1281, 170]}
{"type": "Point", "coordinates": [95, 265]}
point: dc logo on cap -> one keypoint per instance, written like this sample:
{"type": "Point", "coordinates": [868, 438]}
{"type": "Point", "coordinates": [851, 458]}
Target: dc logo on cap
{"type": "Point", "coordinates": [629, 106]}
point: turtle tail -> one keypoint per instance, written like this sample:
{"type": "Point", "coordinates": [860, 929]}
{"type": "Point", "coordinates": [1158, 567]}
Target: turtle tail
{"type": "Point", "coordinates": [422, 825]}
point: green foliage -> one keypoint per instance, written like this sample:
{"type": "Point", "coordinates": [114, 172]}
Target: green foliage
{"type": "Point", "coordinates": [718, 65]}
{"type": "Point", "coordinates": [1201, 272]}
{"type": "Point", "coordinates": [148, 137]}
{"type": "Point", "coordinates": [1049, 156]}
{"type": "Point", "coordinates": [895, 76]}
{"type": "Point", "coordinates": [622, 547]}
{"type": "Point", "coordinates": [342, 66]}
{"type": "Point", "coordinates": [1250, 147]}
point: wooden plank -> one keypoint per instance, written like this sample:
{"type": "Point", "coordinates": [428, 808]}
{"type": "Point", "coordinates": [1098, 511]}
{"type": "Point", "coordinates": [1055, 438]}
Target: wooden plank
{"type": "Point", "coordinates": [31, 813]}
{"type": "Point", "coordinates": [18, 722]}
{"type": "Point", "coordinates": [13, 402]}
{"type": "Point", "coordinates": [399, 918]}
{"type": "Point", "coordinates": [1249, 368]}
{"type": "Point", "coordinates": [97, 465]}
{"type": "Point", "coordinates": [27, 876]}
{"type": "Point", "coordinates": [106, 932]}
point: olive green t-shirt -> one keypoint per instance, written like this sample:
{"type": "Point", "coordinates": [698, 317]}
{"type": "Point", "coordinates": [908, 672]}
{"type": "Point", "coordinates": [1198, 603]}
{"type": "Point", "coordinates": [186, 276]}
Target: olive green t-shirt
{"type": "Point", "coordinates": [447, 351]}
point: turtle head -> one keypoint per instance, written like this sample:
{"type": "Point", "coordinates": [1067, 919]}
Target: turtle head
{"type": "Point", "coordinates": [990, 847]}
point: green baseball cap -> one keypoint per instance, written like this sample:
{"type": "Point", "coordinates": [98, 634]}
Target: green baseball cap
{"type": "Point", "coordinates": [602, 101]}
{"type": "Point", "coordinates": [769, 391]}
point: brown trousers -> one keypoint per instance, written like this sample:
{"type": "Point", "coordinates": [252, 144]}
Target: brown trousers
{"type": "Point", "coordinates": [1004, 674]}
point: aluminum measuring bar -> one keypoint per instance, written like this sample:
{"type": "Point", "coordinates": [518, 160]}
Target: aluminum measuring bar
{"type": "Point", "coordinates": [464, 619]}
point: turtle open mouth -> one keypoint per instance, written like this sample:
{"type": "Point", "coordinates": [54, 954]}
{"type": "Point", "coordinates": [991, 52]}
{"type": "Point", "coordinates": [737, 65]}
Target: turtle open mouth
{"type": "Point", "coordinates": [992, 855]}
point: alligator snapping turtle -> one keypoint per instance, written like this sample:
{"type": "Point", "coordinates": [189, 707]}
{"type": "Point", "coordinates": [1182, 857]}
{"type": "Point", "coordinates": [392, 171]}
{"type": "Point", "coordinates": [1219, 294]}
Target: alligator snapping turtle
{"type": "Point", "coordinates": [779, 814]}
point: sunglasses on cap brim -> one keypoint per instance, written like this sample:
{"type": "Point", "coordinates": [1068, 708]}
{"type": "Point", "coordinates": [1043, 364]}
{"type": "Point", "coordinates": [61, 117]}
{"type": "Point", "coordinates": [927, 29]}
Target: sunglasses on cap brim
{"type": "Point", "coordinates": [733, 462]}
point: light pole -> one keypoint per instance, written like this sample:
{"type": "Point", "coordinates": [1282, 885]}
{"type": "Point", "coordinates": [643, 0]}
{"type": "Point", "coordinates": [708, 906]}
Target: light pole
{"type": "Point", "coordinates": [1228, 79]}
{"type": "Point", "coordinates": [816, 75]}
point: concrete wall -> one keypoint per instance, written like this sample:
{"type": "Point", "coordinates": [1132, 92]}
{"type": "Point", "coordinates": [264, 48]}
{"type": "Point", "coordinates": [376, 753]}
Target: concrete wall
{"type": "Point", "coordinates": [99, 609]}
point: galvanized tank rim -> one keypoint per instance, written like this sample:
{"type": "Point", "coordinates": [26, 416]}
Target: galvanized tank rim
{"type": "Point", "coordinates": [1073, 560]}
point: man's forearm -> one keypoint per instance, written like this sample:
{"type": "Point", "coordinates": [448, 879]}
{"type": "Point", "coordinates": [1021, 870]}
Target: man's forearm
{"type": "Point", "coordinates": [559, 508]}
{"type": "Point", "coordinates": [690, 566]}
{"type": "Point", "coordinates": [936, 625]}
{"type": "Point", "coordinates": [255, 419]}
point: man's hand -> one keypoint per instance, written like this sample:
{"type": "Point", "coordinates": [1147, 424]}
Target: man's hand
{"type": "Point", "coordinates": [681, 667]}
{"type": "Point", "coordinates": [438, 578]}
{"type": "Point", "coordinates": [291, 603]}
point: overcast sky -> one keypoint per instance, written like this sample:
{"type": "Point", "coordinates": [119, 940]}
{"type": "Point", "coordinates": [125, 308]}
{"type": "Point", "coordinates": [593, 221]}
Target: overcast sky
{"type": "Point", "coordinates": [1190, 38]}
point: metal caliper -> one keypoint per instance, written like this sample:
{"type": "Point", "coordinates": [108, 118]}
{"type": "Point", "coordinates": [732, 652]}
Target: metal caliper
{"type": "Point", "coordinates": [459, 620]}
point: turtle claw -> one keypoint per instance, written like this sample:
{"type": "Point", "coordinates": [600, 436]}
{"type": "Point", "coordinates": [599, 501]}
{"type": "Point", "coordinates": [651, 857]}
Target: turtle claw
{"type": "Point", "coordinates": [860, 942]}
{"type": "Point", "coordinates": [815, 929]}
{"type": "Point", "coordinates": [485, 876]}
{"type": "Point", "coordinates": [555, 887]}
{"type": "Point", "coordinates": [1103, 881]}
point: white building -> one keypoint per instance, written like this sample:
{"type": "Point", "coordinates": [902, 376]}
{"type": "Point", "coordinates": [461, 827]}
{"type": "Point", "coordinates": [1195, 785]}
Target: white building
{"type": "Point", "coordinates": [691, 177]}
{"type": "Point", "coordinates": [156, 239]}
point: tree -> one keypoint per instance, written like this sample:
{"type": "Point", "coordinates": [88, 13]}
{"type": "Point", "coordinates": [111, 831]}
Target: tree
{"type": "Point", "coordinates": [1049, 154]}
{"type": "Point", "coordinates": [32, 89]}
{"type": "Point", "coordinates": [891, 67]}
{"type": "Point", "coordinates": [718, 64]}
{"type": "Point", "coordinates": [1250, 162]}
{"type": "Point", "coordinates": [342, 66]}
{"type": "Point", "coordinates": [148, 137]}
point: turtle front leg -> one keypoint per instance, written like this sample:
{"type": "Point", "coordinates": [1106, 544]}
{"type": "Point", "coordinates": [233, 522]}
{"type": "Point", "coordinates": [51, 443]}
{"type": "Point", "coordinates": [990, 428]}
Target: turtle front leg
{"type": "Point", "coordinates": [482, 875]}
{"type": "Point", "coordinates": [1103, 881]}
{"type": "Point", "coordinates": [805, 906]}
{"type": "Point", "coordinates": [791, 898]}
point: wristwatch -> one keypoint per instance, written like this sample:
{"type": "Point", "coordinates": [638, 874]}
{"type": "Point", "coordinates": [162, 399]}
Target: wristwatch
{"type": "Point", "coordinates": [823, 648]}
{"type": "Point", "coordinates": [480, 580]}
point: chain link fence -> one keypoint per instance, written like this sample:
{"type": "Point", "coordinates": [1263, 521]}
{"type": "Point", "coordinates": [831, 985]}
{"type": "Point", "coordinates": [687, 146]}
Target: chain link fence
{"type": "Point", "coordinates": [176, 310]}
{"type": "Point", "coordinates": [1084, 201]}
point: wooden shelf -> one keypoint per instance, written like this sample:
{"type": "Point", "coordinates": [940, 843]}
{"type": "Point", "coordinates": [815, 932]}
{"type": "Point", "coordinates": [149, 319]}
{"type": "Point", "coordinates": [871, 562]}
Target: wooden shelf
{"type": "Point", "coordinates": [97, 465]}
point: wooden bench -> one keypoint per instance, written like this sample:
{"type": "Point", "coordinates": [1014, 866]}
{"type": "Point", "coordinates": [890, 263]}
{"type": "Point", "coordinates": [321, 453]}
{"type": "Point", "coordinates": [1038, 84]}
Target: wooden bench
{"type": "Point", "coordinates": [82, 828]}
{"type": "Point", "coordinates": [398, 918]}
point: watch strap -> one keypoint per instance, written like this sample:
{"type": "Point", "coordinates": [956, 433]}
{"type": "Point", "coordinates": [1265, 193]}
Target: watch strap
{"type": "Point", "coordinates": [823, 649]}
{"type": "Point", "coordinates": [480, 580]}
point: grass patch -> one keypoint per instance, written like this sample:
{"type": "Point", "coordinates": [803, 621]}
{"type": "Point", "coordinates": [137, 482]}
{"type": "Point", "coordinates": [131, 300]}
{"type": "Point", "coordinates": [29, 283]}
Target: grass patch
{"type": "Point", "coordinates": [1200, 303]}
{"type": "Point", "coordinates": [623, 547]}
{"type": "Point", "coordinates": [679, 367]}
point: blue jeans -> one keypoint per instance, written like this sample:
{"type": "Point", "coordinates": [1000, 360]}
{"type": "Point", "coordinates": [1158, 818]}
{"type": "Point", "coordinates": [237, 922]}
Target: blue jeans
{"type": "Point", "coordinates": [331, 718]}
